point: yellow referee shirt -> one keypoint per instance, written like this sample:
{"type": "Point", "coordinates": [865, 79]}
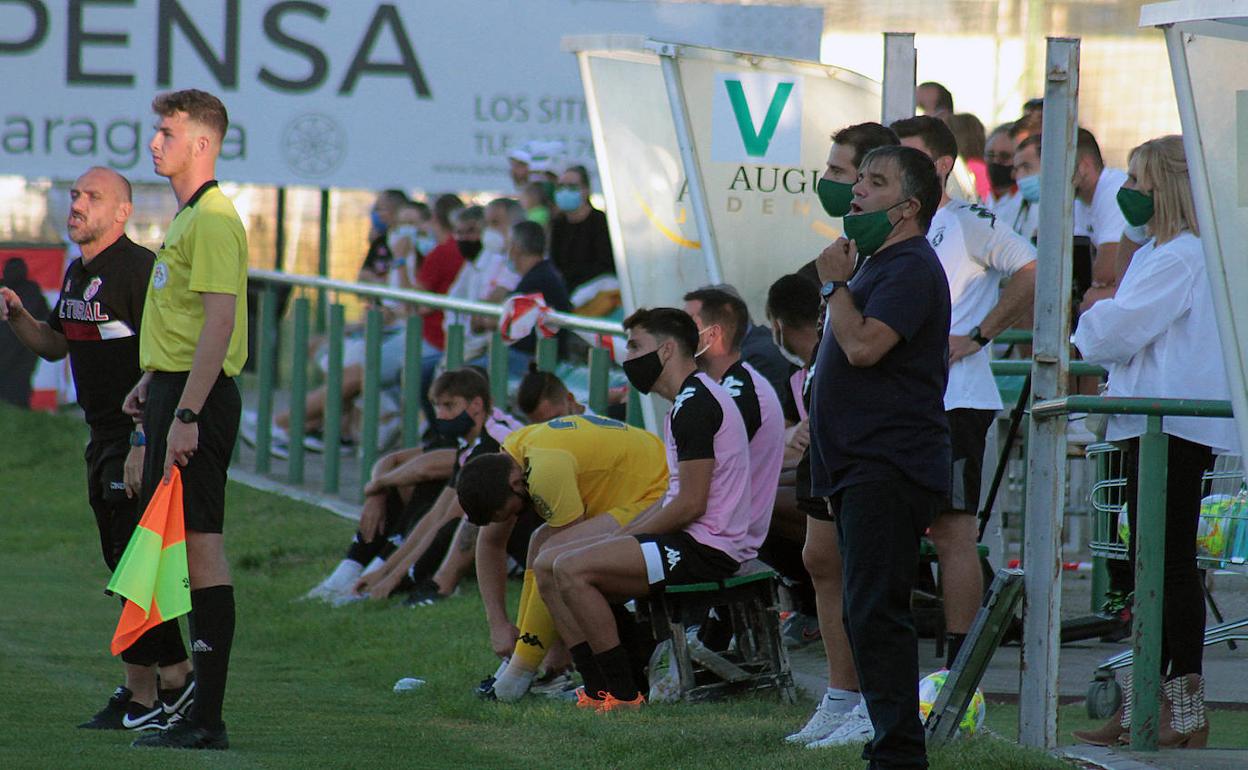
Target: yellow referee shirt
{"type": "Point", "coordinates": [205, 251]}
{"type": "Point", "coordinates": [588, 465]}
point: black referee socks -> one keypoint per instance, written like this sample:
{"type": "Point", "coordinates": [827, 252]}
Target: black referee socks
{"type": "Point", "coordinates": [583, 659]}
{"type": "Point", "coordinates": [618, 672]}
{"type": "Point", "coordinates": [212, 632]}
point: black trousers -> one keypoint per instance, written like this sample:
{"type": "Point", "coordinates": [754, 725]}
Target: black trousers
{"type": "Point", "coordinates": [1183, 599]}
{"type": "Point", "coordinates": [880, 524]}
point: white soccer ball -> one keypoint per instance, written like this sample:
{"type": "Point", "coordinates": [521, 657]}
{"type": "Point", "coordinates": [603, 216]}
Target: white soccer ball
{"type": "Point", "coordinates": [929, 689]}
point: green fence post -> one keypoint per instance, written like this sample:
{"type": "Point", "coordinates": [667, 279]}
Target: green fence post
{"type": "Point", "coordinates": [412, 385]}
{"type": "Point", "coordinates": [332, 427]}
{"type": "Point", "coordinates": [547, 354]}
{"type": "Point", "coordinates": [266, 353]}
{"type": "Point", "coordinates": [372, 395]}
{"type": "Point", "coordinates": [454, 346]}
{"type": "Point", "coordinates": [634, 415]}
{"type": "Point", "coordinates": [498, 370]}
{"type": "Point", "coordinates": [298, 390]}
{"type": "Point", "coordinates": [322, 260]}
{"type": "Point", "coordinates": [599, 371]}
{"type": "Point", "coordinates": [1150, 546]}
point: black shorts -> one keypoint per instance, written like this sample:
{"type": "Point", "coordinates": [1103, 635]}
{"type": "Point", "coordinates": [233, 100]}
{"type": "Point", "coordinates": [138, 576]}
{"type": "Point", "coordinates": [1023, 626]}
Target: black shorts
{"type": "Point", "coordinates": [814, 507]}
{"type": "Point", "coordinates": [115, 514]}
{"type": "Point", "coordinates": [203, 478]}
{"type": "Point", "coordinates": [968, 432]}
{"type": "Point", "coordinates": [677, 558]}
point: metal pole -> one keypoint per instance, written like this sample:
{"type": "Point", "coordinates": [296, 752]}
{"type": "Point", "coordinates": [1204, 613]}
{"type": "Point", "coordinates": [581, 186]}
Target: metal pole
{"type": "Point", "coordinates": [689, 158]}
{"type": "Point", "coordinates": [547, 354]}
{"type": "Point", "coordinates": [412, 384]}
{"type": "Point", "coordinates": [331, 429]}
{"type": "Point", "coordinates": [298, 390]}
{"type": "Point", "coordinates": [599, 371]}
{"type": "Point", "coordinates": [372, 396]}
{"type": "Point", "coordinates": [1046, 456]}
{"type": "Point", "coordinates": [454, 346]}
{"type": "Point", "coordinates": [264, 406]}
{"type": "Point", "coordinates": [901, 62]}
{"type": "Point", "coordinates": [279, 235]}
{"type": "Point", "coordinates": [322, 260]}
{"type": "Point", "coordinates": [498, 370]}
{"type": "Point", "coordinates": [1150, 548]}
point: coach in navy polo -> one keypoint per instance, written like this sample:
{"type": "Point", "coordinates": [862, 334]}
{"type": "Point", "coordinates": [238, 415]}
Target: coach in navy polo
{"type": "Point", "coordinates": [879, 438]}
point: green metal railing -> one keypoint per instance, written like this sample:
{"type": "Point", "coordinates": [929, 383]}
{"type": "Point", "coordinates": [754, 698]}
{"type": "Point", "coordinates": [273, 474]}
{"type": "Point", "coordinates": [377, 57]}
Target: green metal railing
{"type": "Point", "coordinates": [1150, 534]}
{"type": "Point", "coordinates": [328, 293]}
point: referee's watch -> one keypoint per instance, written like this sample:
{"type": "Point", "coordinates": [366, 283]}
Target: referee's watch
{"type": "Point", "coordinates": [978, 338]}
{"type": "Point", "coordinates": [137, 439]}
{"type": "Point", "coordinates": [186, 415]}
{"type": "Point", "coordinates": [830, 288]}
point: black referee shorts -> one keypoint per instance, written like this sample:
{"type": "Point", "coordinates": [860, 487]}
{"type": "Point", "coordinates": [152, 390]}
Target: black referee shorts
{"type": "Point", "coordinates": [115, 514]}
{"type": "Point", "coordinates": [203, 477]}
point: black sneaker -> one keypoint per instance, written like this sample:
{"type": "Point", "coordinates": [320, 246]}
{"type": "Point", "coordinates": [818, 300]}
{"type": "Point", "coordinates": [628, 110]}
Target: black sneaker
{"type": "Point", "coordinates": [141, 718]}
{"type": "Point", "coordinates": [179, 699]}
{"type": "Point", "coordinates": [184, 735]}
{"type": "Point", "coordinates": [425, 594]}
{"type": "Point", "coordinates": [485, 690]}
{"type": "Point", "coordinates": [110, 717]}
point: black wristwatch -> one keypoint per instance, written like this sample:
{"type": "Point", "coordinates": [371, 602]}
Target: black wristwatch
{"type": "Point", "coordinates": [137, 438]}
{"type": "Point", "coordinates": [186, 415]}
{"type": "Point", "coordinates": [830, 288]}
{"type": "Point", "coordinates": [978, 338]}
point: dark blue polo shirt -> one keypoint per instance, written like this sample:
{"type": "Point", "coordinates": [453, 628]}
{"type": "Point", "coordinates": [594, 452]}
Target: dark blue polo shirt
{"type": "Point", "coordinates": [881, 422]}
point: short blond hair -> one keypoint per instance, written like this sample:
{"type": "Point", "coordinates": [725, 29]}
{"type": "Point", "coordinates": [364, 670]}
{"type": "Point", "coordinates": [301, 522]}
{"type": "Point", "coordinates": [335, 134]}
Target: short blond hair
{"type": "Point", "coordinates": [1161, 164]}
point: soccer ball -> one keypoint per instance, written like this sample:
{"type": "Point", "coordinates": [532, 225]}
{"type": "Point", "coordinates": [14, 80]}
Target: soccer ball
{"type": "Point", "coordinates": [1213, 534]}
{"type": "Point", "coordinates": [929, 688]}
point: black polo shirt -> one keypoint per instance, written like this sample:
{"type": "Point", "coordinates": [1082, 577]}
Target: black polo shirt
{"type": "Point", "coordinates": [99, 312]}
{"type": "Point", "coordinates": [881, 422]}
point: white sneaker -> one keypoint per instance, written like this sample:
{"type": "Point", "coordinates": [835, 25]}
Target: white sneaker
{"type": "Point", "coordinates": [339, 582]}
{"type": "Point", "coordinates": [828, 717]}
{"type": "Point", "coordinates": [854, 731]}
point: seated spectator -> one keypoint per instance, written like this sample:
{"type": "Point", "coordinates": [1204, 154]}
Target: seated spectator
{"type": "Point", "coordinates": [1026, 221]}
{"type": "Point", "coordinates": [538, 201]}
{"type": "Point", "coordinates": [1003, 198]}
{"type": "Point", "coordinates": [1158, 335]}
{"type": "Point", "coordinates": [580, 245]}
{"type": "Point", "coordinates": [699, 532]}
{"type": "Point", "coordinates": [384, 216]}
{"type": "Point", "coordinates": [486, 277]}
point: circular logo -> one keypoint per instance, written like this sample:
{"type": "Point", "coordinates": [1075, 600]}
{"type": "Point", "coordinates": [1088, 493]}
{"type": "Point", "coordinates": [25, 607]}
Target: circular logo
{"type": "Point", "coordinates": [92, 288]}
{"type": "Point", "coordinates": [313, 145]}
{"type": "Point", "coordinates": [160, 275]}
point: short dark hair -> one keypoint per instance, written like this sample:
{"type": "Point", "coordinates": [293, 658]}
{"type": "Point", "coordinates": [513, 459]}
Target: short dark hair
{"type": "Point", "coordinates": [667, 323]}
{"type": "Point", "coordinates": [484, 485]}
{"type": "Point", "coordinates": [864, 137]}
{"type": "Point", "coordinates": [1018, 127]}
{"type": "Point", "coordinates": [934, 132]}
{"type": "Point", "coordinates": [918, 178]}
{"type": "Point", "coordinates": [581, 172]}
{"type": "Point", "coordinates": [422, 207]}
{"type": "Point", "coordinates": [443, 205]}
{"type": "Point", "coordinates": [529, 237]}
{"type": "Point", "coordinates": [944, 99]}
{"type": "Point", "coordinates": [723, 308]}
{"type": "Point", "coordinates": [1031, 141]}
{"type": "Point", "coordinates": [793, 300]}
{"type": "Point", "coordinates": [199, 106]}
{"type": "Point", "coordinates": [396, 197]}
{"type": "Point", "coordinates": [466, 383]}
{"type": "Point", "coordinates": [537, 386]}
{"type": "Point", "coordinates": [1087, 147]}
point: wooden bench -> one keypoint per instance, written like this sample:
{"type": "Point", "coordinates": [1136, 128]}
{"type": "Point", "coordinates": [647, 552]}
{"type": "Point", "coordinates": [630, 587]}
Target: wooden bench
{"type": "Point", "coordinates": [756, 658]}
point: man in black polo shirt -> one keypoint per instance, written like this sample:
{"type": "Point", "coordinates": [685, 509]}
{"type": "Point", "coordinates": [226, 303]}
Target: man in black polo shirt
{"type": "Point", "coordinates": [96, 321]}
{"type": "Point", "coordinates": [879, 437]}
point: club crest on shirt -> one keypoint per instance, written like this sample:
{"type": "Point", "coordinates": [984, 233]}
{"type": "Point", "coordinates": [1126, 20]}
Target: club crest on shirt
{"type": "Point", "coordinates": [681, 398]}
{"type": "Point", "coordinates": [733, 385]}
{"type": "Point", "coordinates": [160, 276]}
{"type": "Point", "coordinates": [92, 288]}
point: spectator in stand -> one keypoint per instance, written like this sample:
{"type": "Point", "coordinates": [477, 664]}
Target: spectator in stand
{"type": "Point", "coordinates": [934, 99]}
{"type": "Point", "coordinates": [17, 362]}
{"type": "Point", "coordinates": [536, 197]}
{"type": "Point", "coordinates": [488, 277]}
{"type": "Point", "coordinates": [462, 240]}
{"type": "Point", "coordinates": [1158, 335]}
{"type": "Point", "coordinates": [1003, 198]}
{"type": "Point", "coordinates": [384, 216]}
{"type": "Point", "coordinates": [580, 245]}
{"type": "Point", "coordinates": [1097, 215]}
{"type": "Point", "coordinates": [1026, 220]}
{"type": "Point", "coordinates": [969, 133]}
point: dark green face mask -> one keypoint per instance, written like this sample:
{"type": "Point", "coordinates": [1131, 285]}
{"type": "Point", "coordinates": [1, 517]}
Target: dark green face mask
{"type": "Point", "coordinates": [869, 230]}
{"type": "Point", "coordinates": [835, 197]}
{"type": "Point", "coordinates": [1137, 207]}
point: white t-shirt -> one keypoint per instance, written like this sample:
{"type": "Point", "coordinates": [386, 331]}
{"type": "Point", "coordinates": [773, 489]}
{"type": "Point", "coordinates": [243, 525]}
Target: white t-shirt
{"type": "Point", "coordinates": [1102, 221]}
{"type": "Point", "coordinates": [1158, 337]}
{"type": "Point", "coordinates": [977, 252]}
{"type": "Point", "coordinates": [476, 281]}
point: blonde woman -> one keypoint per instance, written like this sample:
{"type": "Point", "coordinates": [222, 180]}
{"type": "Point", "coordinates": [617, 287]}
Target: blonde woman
{"type": "Point", "coordinates": [1159, 338]}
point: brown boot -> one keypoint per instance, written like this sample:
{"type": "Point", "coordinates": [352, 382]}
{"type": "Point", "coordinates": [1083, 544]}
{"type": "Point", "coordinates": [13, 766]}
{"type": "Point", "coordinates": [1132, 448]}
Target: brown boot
{"type": "Point", "coordinates": [1183, 724]}
{"type": "Point", "coordinates": [1118, 726]}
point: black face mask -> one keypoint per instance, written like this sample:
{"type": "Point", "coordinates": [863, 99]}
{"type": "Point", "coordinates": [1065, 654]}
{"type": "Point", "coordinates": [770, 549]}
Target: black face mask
{"type": "Point", "coordinates": [1000, 175]}
{"type": "Point", "coordinates": [643, 371]}
{"type": "Point", "coordinates": [455, 428]}
{"type": "Point", "coordinates": [469, 249]}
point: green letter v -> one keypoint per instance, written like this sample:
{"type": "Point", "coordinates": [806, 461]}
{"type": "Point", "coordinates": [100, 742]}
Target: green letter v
{"type": "Point", "coordinates": [756, 143]}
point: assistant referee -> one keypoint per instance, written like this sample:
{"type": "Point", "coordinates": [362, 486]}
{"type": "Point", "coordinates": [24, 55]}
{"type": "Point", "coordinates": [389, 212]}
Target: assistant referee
{"type": "Point", "coordinates": [193, 343]}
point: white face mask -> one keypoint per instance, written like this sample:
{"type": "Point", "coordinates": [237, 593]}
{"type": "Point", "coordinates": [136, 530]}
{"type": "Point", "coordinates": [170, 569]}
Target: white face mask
{"type": "Point", "coordinates": [396, 234]}
{"type": "Point", "coordinates": [789, 356]}
{"type": "Point", "coordinates": [707, 345]}
{"type": "Point", "coordinates": [426, 243]}
{"type": "Point", "coordinates": [493, 241]}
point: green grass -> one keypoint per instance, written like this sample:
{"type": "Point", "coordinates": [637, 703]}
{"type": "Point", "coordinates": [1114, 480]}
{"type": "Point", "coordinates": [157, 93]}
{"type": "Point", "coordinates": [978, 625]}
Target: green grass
{"type": "Point", "coordinates": [311, 686]}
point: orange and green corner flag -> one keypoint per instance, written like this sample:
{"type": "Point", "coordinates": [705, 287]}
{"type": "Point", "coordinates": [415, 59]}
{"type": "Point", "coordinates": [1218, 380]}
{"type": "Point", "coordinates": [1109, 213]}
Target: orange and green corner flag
{"type": "Point", "coordinates": [152, 573]}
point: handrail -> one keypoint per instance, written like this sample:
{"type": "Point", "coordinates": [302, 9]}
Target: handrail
{"type": "Point", "coordinates": [428, 299]}
{"type": "Point", "coordinates": [1014, 337]}
{"type": "Point", "coordinates": [1021, 367]}
{"type": "Point", "coordinates": [1158, 407]}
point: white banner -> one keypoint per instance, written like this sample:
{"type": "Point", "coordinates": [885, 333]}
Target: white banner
{"type": "Point", "coordinates": [429, 95]}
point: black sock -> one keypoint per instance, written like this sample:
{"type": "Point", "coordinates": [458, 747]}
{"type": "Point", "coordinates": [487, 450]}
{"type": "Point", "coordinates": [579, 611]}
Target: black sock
{"type": "Point", "coordinates": [618, 672]}
{"type": "Point", "coordinates": [953, 643]}
{"type": "Point", "coordinates": [363, 553]}
{"type": "Point", "coordinates": [583, 659]}
{"type": "Point", "coordinates": [212, 632]}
